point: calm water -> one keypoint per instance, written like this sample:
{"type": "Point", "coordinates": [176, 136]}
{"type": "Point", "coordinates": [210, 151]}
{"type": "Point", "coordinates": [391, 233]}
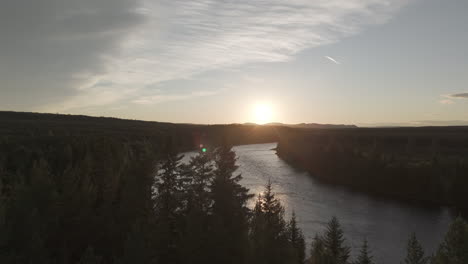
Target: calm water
{"type": "Point", "coordinates": [385, 223]}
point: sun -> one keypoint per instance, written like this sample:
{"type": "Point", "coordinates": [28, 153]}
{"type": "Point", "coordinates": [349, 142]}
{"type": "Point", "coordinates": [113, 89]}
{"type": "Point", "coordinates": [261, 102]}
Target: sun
{"type": "Point", "coordinates": [262, 113]}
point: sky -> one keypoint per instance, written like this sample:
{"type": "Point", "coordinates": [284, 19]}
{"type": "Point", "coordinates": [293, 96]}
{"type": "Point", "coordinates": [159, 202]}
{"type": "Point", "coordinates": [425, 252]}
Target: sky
{"type": "Point", "coordinates": [364, 62]}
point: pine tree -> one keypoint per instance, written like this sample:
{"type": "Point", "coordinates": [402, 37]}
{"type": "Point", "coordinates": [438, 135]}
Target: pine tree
{"type": "Point", "coordinates": [168, 186]}
{"type": "Point", "coordinates": [334, 243]}
{"type": "Point", "coordinates": [229, 220]}
{"type": "Point", "coordinates": [454, 248]}
{"type": "Point", "coordinates": [415, 252]}
{"type": "Point", "coordinates": [168, 204]}
{"type": "Point", "coordinates": [269, 233]}
{"type": "Point", "coordinates": [296, 238]}
{"type": "Point", "coordinates": [197, 175]}
{"type": "Point", "coordinates": [318, 251]}
{"type": "Point", "coordinates": [364, 256]}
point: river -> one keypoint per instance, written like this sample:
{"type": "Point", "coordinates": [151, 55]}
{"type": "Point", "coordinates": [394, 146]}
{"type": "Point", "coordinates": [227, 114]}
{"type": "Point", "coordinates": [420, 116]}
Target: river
{"type": "Point", "coordinates": [385, 223]}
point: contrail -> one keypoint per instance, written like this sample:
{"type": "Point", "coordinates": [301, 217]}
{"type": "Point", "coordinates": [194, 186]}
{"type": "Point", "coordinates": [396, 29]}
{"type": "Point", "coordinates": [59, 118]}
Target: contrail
{"type": "Point", "coordinates": [333, 60]}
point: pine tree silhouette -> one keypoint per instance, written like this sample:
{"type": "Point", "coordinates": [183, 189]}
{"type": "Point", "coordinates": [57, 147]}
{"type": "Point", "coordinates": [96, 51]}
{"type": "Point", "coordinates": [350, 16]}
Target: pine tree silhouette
{"type": "Point", "coordinates": [415, 252]}
{"type": "Point", "coordinates": [269, 234]}
{"type": "Point", "coordinates": [334, 242]}
{"type": "Point", "coordinates": [229, 220]}
{"type": "Point", "coordinates": [454, 248]}
{"type": "Point", "coordinates": [318, 251]}
{"type": "Point", "coordinates": [296, 238]}
{"type": "Point", "coordinates": [364, 256]}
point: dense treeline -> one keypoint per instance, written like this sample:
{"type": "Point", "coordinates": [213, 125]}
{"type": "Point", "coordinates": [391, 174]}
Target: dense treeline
{"type": "Point", "coordinates": [78, 190]}
{"type": "Point", "coordinates": [107, 201]}
{"type": "Point", "coordinates": [136, 211]}
{"type": "Point", "coordinates": [59, 200]}
{"type": "Point", "coordinates": [36, 127]}
{"type": "Point", "coordinates": [425, 164]}
{"type": "Point", "coordinates": [71, 185]}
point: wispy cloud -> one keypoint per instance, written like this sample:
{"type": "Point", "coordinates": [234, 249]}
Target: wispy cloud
{"type": "Point", "coordinates": [450, 98]}
{"type": "Point", "coordinates": [182, 38]}
{"type": "Point", "coordinates": [161, 98]}
{"type": "Point", "coordinates": [446, 101]}
{"type": "Point", "coordinates": [332, 60]}
{"type": "Point", "coordinates": [459, 95]}
{"type": "Point", "coordinates": [418, 123]}
{"type": "Point", "coordinates": [51, 49]}
{"type": "Point", "coordinates": [442, 123]}
{"type": "Point", "coordinates": [189, 37]}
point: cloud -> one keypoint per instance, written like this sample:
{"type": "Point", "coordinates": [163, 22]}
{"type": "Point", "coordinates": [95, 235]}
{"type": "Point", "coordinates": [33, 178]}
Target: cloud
{"type": "Point", "coordinates": [450, 98]}
{"type": "Point", "coordinates": [419, 123]}
{"type": "Point", "coordinates": [442, 123]}
{"type": "Point", "coordinates": [49, 49]}
{"type": "Point", "coordinates": [186, 38]}
{"type": "Point", "coordinates": [94, 97]}
{"type": "Point", "coordinates": [459, 95]}
{"type": "Point", "coordinates": [61, 50]}
{"type": "Point", "coordinates": [332, 60]}
{"type": "Point", "coordinates": [446, 101]}
{"type": "Point", "coordinates": [161, 98]}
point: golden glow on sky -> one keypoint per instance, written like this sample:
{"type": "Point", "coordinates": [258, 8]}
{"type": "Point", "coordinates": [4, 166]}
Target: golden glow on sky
{"type": "Point", "coordinates": [262, 113]}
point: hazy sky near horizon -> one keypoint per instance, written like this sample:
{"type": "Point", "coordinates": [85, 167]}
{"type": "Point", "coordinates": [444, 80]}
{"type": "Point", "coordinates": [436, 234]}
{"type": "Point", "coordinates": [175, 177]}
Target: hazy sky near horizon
{"type": "Point", "coordinates": [366, 62]}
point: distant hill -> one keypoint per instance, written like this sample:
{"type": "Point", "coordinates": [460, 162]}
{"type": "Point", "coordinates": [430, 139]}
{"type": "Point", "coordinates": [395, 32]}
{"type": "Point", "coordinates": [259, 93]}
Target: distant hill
{"type": "Point", "coordinates": [312, 125]}
{"type": "Point", "coordinates": [17, 127]}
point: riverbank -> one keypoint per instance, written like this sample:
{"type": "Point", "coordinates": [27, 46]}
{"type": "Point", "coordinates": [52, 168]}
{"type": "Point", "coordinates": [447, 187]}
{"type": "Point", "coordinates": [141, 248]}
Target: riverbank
{"type": "Point", "coordinates": [426, 165]}
{"type": "Point", "coordinates": [386, 223]}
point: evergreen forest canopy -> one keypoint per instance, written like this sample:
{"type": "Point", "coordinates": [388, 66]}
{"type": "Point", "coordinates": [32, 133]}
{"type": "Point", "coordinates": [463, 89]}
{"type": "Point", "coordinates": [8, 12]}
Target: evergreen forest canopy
{"type": "Point", "coordinates": [78, 190]}
{"type": "Point", "coordinates": [425, 164]}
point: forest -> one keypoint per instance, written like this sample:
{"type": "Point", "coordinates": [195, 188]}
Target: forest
{"type": "Point", "coordinates": [77, 189]}
{"type": "Point", "coordinates": [425, 164]}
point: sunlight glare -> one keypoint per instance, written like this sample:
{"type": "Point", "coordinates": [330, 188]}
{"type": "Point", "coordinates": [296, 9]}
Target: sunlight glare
{"type": "Point", "coordinates": [263, 113]}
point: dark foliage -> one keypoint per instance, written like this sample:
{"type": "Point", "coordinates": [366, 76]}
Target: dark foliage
{"type": "Point", "coordinates": [454, 248]}
{"type": "Point", "coordinates": [415, 252]}
{"type": "Point", "coordinates": [270, 235]}
{"type": "Point", "coordinates": [296, 238]}
{"type": "Point", "coordinates": [77, 189]}
{"type": "Point", "coordinates": [82, 189]}
{"type": "Point", "coordinates": [331, 247]}
{"type": "Point", "coordinates": [428, 164]}
{"type": "Point", "coordinates": [364, 256]}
